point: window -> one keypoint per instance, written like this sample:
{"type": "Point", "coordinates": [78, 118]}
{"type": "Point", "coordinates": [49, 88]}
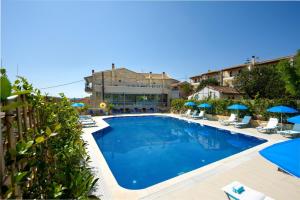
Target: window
{"type": "Point", "coordinates": [230, 74]}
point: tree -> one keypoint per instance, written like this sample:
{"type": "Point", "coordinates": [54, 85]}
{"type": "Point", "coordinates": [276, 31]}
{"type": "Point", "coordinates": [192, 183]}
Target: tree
{"type": "Point", "coordinates": [262, 81]}
{"type": "Point", "coordinates": [186, 89]}
{"type": "Point", "coordinates": [290, 74]}
{"type": "Point", "coordinates": [204, 83]}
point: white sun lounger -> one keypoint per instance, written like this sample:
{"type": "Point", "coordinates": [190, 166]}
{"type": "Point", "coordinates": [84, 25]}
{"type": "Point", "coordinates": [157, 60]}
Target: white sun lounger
{"type": "Point", "coordinates": [88, 123]}
{"type": "Point", "coordinates": [232, 119]}
{"type": "Point", "coordinates": [193, 114]}
{"type": "Point", "coordinates": [271, 126]}
{"type": "Point", "coordinates": [238, 191]}
{"type": "Point", "coordinates": [291, 133]}
{"type": "Point", "coordinates": [187, 113]}
{"type": "Point", "coordinates": [200, 115]}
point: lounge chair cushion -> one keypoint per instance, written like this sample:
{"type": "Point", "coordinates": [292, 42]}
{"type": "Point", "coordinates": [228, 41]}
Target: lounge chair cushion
{"type": "Point", "coordinates": [231, 120]}
{"type": "Point", "coordinates": [272, 125]}
{"type": "Point", "coordinates": [247, 194]}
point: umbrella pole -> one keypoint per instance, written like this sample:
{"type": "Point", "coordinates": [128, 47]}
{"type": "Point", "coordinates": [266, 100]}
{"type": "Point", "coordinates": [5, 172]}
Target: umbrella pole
{"type": "Point", "coordinates": [281, 122]}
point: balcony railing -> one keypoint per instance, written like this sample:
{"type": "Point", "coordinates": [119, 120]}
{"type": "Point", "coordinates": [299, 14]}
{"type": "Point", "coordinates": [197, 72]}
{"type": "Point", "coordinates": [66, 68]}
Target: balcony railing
{"type": "Point", "coordinates": [138, 104]}
{"type": "Point", "coordinates": [88, 89]}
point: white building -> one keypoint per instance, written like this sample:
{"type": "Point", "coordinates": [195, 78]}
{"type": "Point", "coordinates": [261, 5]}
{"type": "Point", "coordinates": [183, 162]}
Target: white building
{"type": "Point", "coordinates": [216, 92]}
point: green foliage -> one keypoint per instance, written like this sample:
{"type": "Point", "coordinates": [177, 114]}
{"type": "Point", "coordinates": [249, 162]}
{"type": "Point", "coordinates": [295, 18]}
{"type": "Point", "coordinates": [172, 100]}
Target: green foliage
{"type": "Point", "coordinates": [53, 155]}
{"type": "Point", "coordinates": [209, 81]}
{"type": "Point", "coordinates": [290, 74]}
{"type": "Point", "coordinates": [177, 105]}
{"type": "Point", "coordinates": [262, 81]}
{"type": "Point", "coordinates": [186, 89]}
{"type": "Point", "coordinates": [5, 90]}
{"type": "Point", "coordinates": [257, 107]}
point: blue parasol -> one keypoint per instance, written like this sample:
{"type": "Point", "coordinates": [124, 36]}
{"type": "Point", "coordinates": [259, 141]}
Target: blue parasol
{"type": "Point", "coordinates": [285, 155]}
{"type": "Point", "coordinates": [205, 105]}
{"type": "Point", "coordinates": [190, 103]}
{"type": "Point", "coordinates": [282, 109]}
{"type": "Point", "coordinates": [237, 107]}
{"type": "Point", "coordinates": [77, 105]}
{"type": "Point", "coordinates": [295, 120]}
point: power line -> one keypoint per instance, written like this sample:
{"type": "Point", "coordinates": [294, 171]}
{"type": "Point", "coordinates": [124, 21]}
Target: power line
{"type": "Point", "coordinates": [61, 85]}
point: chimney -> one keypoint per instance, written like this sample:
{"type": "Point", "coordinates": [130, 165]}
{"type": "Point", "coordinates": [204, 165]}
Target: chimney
{"type": "Point", "coordinates": [150, 79]}
{"type": "Point", "coordinates": [112, 74]}
{"type": "Point", "coordinates": [253, 60]}
{"type": "Point", "coordinates": [93, 71]}
{"type": "Point", "coordinates": [163, 79]}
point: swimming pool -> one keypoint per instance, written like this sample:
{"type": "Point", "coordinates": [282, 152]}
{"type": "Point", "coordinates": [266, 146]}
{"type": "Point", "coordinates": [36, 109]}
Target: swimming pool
{"type": "Point", "coordinates": [145, 150]}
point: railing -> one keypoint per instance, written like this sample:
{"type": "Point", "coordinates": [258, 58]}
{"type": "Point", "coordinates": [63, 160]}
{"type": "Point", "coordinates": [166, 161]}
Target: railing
{"type": "Point", "coordinates": [134, 85]}
{"type": "Point", "coordinates": [137, 104]}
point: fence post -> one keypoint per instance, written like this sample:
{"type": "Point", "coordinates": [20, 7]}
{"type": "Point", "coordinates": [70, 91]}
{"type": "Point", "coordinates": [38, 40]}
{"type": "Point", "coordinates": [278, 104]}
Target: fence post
{"type": "Point", "coordinates": [19, 120]}
{"type": "Point", "coordinates": [11, 139]}
{"type": "Point", "coordinates": [25, 110]}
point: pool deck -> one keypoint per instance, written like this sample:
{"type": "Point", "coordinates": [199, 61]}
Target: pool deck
{"type": "Point", "coordinates": [247, 167]}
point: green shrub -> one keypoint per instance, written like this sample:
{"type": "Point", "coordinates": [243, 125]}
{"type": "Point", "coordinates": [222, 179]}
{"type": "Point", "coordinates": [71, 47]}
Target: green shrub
{"type": "Point", "coordinates": [51, 160]}
{"type": "Point", "coordinates": [257, 107]}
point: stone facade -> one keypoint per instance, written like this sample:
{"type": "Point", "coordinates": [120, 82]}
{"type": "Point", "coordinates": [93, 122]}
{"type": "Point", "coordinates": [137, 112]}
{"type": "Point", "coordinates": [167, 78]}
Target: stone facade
{"type": "Point", "coordinates": [128, 89]}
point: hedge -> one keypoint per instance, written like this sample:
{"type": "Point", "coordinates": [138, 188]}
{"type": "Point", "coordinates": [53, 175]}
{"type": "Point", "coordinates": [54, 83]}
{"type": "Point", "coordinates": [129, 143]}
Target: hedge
{"type": "Point", "coordinates": [257, 107]}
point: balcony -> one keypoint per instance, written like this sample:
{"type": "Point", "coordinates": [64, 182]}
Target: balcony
{"type": "Point", "coordinates": [228, 78]}
{"type": "Point", "coordinates": [88, 89]}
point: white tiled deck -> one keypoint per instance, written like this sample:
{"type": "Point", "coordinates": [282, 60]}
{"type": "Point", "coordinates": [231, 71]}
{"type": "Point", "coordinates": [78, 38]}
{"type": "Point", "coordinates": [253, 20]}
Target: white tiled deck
{"type": "Point", "coordinates": [247, 167]}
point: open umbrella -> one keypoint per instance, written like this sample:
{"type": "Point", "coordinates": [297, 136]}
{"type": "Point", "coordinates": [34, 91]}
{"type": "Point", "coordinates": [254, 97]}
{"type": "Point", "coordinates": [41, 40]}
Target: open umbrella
{"type": "Point", "coordinates": [282, 109]}
{"type": "Point", "coordinates": [205, 105]}
{"type": "Point", "coordinates": [237, 107]}
{"type": "Point", "coordinates": [190, 103]}
{"type": "Point", "coordinates": [285, 155]}
{"type": "Point", "coordinates": [77, 105]}
{"type": "Point", "coordinates": [295, 120]}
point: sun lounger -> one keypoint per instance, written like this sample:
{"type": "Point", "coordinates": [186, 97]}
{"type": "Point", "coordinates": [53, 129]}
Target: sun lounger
{"type": "Point", "coordinates": [199, 116]}
{"type": "Point", "coordinates": [238, 191]}
{"type": "Point", "coordinates": [271, 126]}
{"type": "Point", "coordinates": [291, 133]}
{"type": "Point", "coordinates": [193, 114]}
{"type": "Point", "coordinates": [187, 113]}
{"type": "Point", "coordinates": [230, 120]}
{"type": "Point", "coordinates": [88, 123]}
{"type": "Point", "coordinates": [244, 123]}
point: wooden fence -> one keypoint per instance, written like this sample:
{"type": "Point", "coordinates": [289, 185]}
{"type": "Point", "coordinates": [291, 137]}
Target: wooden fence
{"type": "Point", "coordinates": [16, 120]}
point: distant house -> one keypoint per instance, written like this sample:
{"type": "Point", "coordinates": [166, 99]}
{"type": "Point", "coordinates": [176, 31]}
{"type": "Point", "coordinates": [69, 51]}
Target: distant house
{"type": "Point", "coordinates": [226, 75]}
{"type": "Point", "coordinates": [217, 92]}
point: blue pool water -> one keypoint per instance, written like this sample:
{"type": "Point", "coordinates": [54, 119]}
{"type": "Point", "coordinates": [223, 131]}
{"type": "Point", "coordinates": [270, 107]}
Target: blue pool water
{"type": "Point", "coordinates": [143, 151]}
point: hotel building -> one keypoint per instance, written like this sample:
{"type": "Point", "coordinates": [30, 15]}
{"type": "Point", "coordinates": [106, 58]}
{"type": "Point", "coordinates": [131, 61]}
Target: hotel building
{"type": "Point", "coordinates": [126, 89]}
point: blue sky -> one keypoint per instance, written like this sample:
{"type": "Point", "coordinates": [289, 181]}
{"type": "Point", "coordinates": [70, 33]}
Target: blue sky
{"type": "Point", "coordinates": [56, 42]}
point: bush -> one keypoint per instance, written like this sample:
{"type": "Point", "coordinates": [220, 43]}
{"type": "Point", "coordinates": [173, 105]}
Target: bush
{"type": "Point", "coordinates": [51, 160]}
{"type": "Point", "coordinates": [177, 105]}
{"type": "Point", "coordinates": [257, 107]}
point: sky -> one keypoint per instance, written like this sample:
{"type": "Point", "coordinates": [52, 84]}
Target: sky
{"type": "Point", "coordinates": [56, 42]}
